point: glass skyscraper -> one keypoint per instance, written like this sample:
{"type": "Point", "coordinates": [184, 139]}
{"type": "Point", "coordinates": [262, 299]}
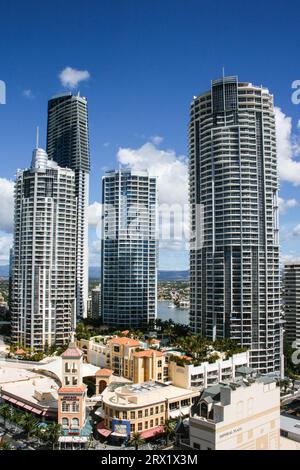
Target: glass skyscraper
{"type": "Point", "coordinates": [129, 248]}
{"type": "Point", "coordinates": [235, 277]}
{"type": "Point", "coordinates": [68, 145]}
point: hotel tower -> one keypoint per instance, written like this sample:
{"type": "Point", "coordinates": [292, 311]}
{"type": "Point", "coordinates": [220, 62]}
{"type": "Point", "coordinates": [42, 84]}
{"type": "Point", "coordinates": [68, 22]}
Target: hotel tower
{"type": "Point", "coordinates": [235, 277]}
{"type": "Point", "coordinates": [44, 260]}
{"type": "Point", "coordinates": [129, 249]}
{"type": "Point", "coordinates": [68, 145]}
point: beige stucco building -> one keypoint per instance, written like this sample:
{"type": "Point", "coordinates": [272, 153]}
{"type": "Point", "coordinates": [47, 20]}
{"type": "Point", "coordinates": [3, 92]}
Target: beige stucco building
{"type": "Point", "coordinates": [244, 415]}
{"type": "Point", "coordinates": [143, 408]}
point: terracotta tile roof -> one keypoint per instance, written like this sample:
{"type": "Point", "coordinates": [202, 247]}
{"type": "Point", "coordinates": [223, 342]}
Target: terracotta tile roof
{"type": "Point", "coordinates": [72, 352]}
{"type": "Point", "coordinates": [20, 352]}
{"type": "Point", "coordinates": [104, 373]}
{"type": "Point", "coordinates": [125, 341]}
{"type": "Point", "coordinates": [148, 353]}
{"type": "Point", "coordinates": [80, 389]}
{"type": "Point", "coordinates": [126, 332]}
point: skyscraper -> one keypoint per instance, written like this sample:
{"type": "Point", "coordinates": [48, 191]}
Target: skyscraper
{"type": "Point", "coordinates": [68, 145]}
{"type": "Point", "coordinates": [44, 264]}
{"type": "Point", "coordinates": [235, 278]}
{"type": "Point", "coordinates": [129, 248]}
{"type": "Point", "coordinates": [292, 303]}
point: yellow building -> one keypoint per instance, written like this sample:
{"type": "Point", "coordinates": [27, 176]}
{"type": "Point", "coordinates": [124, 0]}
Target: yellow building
{"type": "Point", "coordinates": [143, 408]}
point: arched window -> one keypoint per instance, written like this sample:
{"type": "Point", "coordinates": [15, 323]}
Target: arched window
{"type": "Point", "coordinates": [75, 422]}
{"type": "Point", "coordinates": [65, 422]}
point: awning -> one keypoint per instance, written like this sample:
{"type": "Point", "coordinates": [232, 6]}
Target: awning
{"type": "Point", "coordinates": [104, 432]}
{"type": "Point", "coordinates": [152, 432]}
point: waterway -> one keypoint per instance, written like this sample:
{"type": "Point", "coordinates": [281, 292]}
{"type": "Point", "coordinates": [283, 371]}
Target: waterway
{"type": "Point", "coordinates": [178, 315]}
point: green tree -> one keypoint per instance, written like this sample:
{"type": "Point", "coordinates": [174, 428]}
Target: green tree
{"type": "Point", "coordinates": [5, 412]}
{"type": "Point", "coordinates": [169, 428]}
{"type": "Point", "coordinates": [5, 444]}
{"type": "Point", "coordinates": [136, 440]}
{"type": "Point", "coordinates": [53, 433]}
{"type": "Point", "coordinates": [29, 424]}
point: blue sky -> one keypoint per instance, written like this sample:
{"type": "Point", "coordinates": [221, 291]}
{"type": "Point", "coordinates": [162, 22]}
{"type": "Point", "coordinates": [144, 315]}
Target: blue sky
{"type": "Point", "coordinates": [145, 61]}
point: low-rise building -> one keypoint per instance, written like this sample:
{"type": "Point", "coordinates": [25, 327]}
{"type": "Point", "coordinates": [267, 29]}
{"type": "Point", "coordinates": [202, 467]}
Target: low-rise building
{"type": "Point", "coordinates": [201, 376]}
{"type": "Point", "coordinates": [143, 408]}
{"type": "Point", "coordinates": [242, 415]}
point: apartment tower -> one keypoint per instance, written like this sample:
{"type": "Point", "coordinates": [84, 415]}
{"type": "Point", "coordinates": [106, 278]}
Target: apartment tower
{"type": "Point", "coordinates": [129, 248]}
{"type": "Point", "coordinates": [68, 145]}
{"type": "Point", "coordinates": [235, 277]}
{"type": "Point", "coordinates": [44, 260]}
{"type": "Point", "coordinates": [292, 303]}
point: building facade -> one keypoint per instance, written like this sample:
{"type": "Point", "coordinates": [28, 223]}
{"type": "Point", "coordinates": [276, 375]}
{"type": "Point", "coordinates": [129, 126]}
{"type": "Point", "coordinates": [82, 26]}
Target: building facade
{"type": "Point", "coordinates": [235, 277]}
{"type": "Point", "coordinates": [129, 249]}
{"type": "Point", "coordinates": [72, 393]}
{"type": "Point", "coordinates": [68, 145]}
{"type": "Point", "coordinates": [292, 303]}
{"type": "Point", "coordinates": [244, 415]}
{"type": "Point", "coordinates": [95, 303]}
{"type": "Point", "coordinates": [44, 267]}
{"type": "Point", "coordinates": [144, 408]}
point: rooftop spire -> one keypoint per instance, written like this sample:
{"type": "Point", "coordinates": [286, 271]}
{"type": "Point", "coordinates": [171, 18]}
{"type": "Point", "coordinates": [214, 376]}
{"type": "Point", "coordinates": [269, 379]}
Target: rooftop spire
{"type": "Point", "coordinates": [37, 137]}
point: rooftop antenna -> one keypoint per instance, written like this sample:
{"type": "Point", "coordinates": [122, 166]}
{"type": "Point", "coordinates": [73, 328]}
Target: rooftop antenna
{"type": "Point", "coordinates": [37, 137]}
{"type": "Point", "coordinates": [223, 72]}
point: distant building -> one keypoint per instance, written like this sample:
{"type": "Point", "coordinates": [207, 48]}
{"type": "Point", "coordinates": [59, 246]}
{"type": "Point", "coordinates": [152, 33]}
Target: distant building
{"type": "Point", "coordinates": [129, 249]}
{"type": "Point", "coordinates": [292, 303]}
{"type": "Point", "coordinates": [95, 307]}
{"type": "Point", "coordinates": [44, 254]}
{"type": "Point", "coordinates": [242, 415]}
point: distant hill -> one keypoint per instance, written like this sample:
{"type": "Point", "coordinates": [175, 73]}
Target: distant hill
{"type": "Point", "coordinates": [173, 275]}
{"type": "Point", "coordinates": [94, 273]}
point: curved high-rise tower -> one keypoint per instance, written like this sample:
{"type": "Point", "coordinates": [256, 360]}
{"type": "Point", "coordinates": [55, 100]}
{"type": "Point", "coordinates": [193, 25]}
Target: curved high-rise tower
{"type": "Point", "coordinates": [235, 277]}
{"type": "Point", "coordinates": [68, 145]}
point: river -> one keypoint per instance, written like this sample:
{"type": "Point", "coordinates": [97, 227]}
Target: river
{"type": "Point", "coordinates": [178, 315]}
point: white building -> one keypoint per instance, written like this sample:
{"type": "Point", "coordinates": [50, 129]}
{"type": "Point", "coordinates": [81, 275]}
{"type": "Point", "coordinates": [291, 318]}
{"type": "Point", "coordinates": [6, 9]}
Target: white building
{"type": "Point", "coordinates": [206, 374]}
{"type": "Point", "coordinates": [235, 275]}
{"type": "Point", "coordinates": [44, 266]}
{"type": "Point", "coordinates": [242, 415]}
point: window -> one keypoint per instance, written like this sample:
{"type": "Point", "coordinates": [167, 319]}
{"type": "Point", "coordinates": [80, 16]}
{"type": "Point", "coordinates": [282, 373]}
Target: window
{"type": "Point", "coordinates": [75, 407]}
{"type": "Point", "coordinates": [74, 381]}
{"type": "Point", "coordinates": [156, 410]}
{"type": "Point", "coordinates": [65, 423]}
{"type": "Point", "coordinates": [132, 415]}
{"type": "Point", "coordinates": [140, 426]}
{"type": "Point", "coordinates": [75, 422]}
{"type": "Point", "coordinates": [124, 414]}
{"type": "Point", "coordinates": [159, 376]}
{"type": "Point", "coordinates": [185, 403]}
{"type": "Point", "coordinates": [132, 428]}
{"type": "Point", "coordinates": [146, 424]}
{"type": "Point", "coordinates": [156, 422]}
{"type": "Point", "coordinates": [140, 414]}
{"type": "Point", "coordinates": [159, 364]}
{"type": "Point", "coordinates": [67, 381]}
{"type": "Point", "coordinates": [151, 423]}
{"type": "Point", "coordinates": [146, 413]}
{"type": "Point", "coordinates": [162, 408]}
{"type": "Point", "coordinates": [151, 411]}
{"type": "Point", "coordinates": [67, 368]}
{"type": "Point", "coordinates": [65, 407]}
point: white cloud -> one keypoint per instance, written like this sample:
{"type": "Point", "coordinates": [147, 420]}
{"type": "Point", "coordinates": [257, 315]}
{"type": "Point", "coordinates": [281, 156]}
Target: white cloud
{"type": "Point", "coordinates": [285, 205]}
{"type": "Point", "coordinates": [296, 231]}
{"type": "Point", "coordinates": [5, 245]}
{"type": "Point", "coordinates": [70, 78]}
{"type": "Point", "coordinates": [156, 139]}
{"type": "Point", "coordinates": [289, 258]}
{"type": "Point", "coordinates": [6, 205]}
{"type": "Point", "coordinates": [288, 147]}
{"type": "Point", "coordinates": [28, 94]}
{"type": "Point", "coordinates": [95, 253]}
{"type": "Point", "coordinates": [94, 213]}
{"type": "Point", "coordinates": [170, 169]}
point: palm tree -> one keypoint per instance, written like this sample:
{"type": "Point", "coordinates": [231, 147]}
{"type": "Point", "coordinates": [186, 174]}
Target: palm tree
{"type": "Point", "coordinates": [29, 424]}
{"type": "Point", "coordinates": [136, 440]}
{"type": "Point", "coordinates": [5, 413]}
{"type": "Point", "coordinates": [53, 433]}
{"type": "Point", "coordinates": [5, 444]}
{"type": "Point", "coordinates": [168, 430]}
